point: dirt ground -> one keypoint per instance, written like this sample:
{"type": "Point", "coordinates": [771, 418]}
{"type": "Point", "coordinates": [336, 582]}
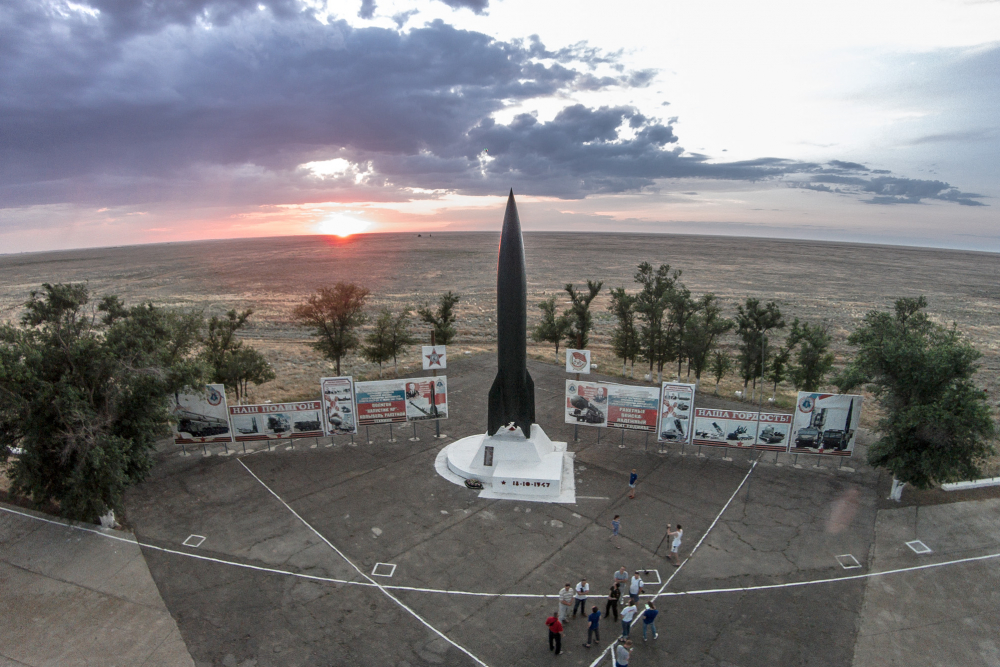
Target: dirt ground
{"type": "Point", "coordinates": [830, 283]}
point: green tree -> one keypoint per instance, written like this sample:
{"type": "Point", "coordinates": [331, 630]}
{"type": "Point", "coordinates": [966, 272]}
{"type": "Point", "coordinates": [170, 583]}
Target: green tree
{"type": "Point", "coordinates": [703, 332]}
{"type": "Point", "coordinates": [682, 309]}
{"type": "Point", "coordinates": [652, 303]}
{"type": "Point", "coordinates": [777, 369]}
{"type": "Point", "coordinates": [441, 320]}
{"type": "Point", "coordinates": [85, 393]}
{"type": "Point", "coordinates": [722, 364]}
{"type": "Point", "coordinates": [580, 319]}
{"type": "Point", "coordinates": [334, 313]}
{"type": "Point", "coordinates": [400, 337]}
{"type": "Point", "coordinates": [937, 425]}
{"type": "Point", "coordinates": [231, 361]}
{"type": "Point", "coordinates": [814, 359]}
{"type": "Point", "coordinates": [377, 346]}
{"type": "Point", "coordinates": [552, 328]}
{"type": "Point", "coordinates": [243, 366]}
{"type": "Point", "coordinates": [753, 322]}
{"type": "Point", "coordinates": [625, 337]}
{"type": "Point", "coordinates": [220, 341]}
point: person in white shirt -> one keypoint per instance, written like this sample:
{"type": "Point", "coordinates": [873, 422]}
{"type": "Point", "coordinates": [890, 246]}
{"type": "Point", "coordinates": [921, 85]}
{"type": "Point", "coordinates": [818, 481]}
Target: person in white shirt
{"type": "Point", "coordinates": [635, 587]}
{"type": "Point", "coordinates": [622, 653]}
{"type": "Point", "coordinates": [580, 599]}
{"type": "Point", "coordinates": [628, 613]}
{"type": "Point", "coordinates": [565, 601]}
{"type": "Point", "coordinates": [675, 546]}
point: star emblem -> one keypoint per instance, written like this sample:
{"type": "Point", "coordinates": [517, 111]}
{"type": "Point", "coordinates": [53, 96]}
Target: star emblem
{"type": "Point", "coordinates": [433, 358]}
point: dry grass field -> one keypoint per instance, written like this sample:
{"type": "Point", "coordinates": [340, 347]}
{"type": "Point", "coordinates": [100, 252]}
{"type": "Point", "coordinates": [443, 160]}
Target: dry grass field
{"type": "Point", "coordinates": [832, 283]}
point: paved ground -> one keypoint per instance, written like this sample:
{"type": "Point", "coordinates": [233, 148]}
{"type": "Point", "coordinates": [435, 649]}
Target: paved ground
{"type": "Point", "coordinates": [283, 576]}
{"type": "Point", "coordinates": [75, 597]}
{"type": "Point", "coordinates": [382, 502]}
{"type": "Point", "coordinates": [939, 615]}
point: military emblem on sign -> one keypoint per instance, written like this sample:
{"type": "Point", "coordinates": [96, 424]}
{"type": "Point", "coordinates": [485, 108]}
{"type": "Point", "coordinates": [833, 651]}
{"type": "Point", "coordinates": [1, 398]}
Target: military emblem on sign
{"type": "Point", "coordinates": [434, 357]}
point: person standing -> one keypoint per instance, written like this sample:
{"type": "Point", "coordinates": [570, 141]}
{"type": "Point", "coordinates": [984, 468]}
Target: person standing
{"type": "Point", "coordinates": [675, 545]}
{"type": "Point", "coordinates": [614, 595]}
{"type": "Point", "coordinates": [565, 601]}
{"type": "Point", "coordinates": [580, 599]}
{"type": "Point", "coordinates": [628, 613]}
{"type": "Point", "coordinates": [621, 576]}
{"type": "Point", "coordinates": [555, 634]}
{"type": "Point", "coordinates": [635, 588]}
{"type": "Point", "coordinates": [594, 629]}
{"type": "Point", "coordinates": [649, 620]}
{"type": "Point", "coordinates": [631, 484]}
{"type": "Point", "coordinates": [622, 653]}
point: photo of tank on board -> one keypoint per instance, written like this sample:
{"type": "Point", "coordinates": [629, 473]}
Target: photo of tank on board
{"type": "Point", "coordinates": [201, 416]}
{"type": "Point", "coordinates": [826, 424]}
{"type": "Point", "coordinates": [586, 403]}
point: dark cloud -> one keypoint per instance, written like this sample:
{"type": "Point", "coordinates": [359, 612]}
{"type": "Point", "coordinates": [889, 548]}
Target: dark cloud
{"type": "Point", "coordinates": [367, 9]}
{"type": "Point", "coordinates": [143, 102]}
{"type": "Point", "coordinates": [895, 190]}
{"type": "Point", "coordinates": [401, 18]}
{"type": "Point", "coordinates": [476, 6]}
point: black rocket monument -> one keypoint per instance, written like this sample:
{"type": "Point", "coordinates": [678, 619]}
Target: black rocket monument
{"type": "Point", "coordinates": [514, 459]}
{"type": "Point", "coordinates": [512, 396]}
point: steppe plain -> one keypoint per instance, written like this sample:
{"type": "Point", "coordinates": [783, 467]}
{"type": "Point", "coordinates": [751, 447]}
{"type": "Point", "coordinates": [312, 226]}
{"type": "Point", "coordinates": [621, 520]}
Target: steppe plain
{"type": "Point", "coordinates": [820, 282]}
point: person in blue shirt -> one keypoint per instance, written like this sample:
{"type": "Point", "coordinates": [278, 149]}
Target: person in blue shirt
{"type": "Point", "coordinates": [594, 629]}
{"type": "Point", "coordinates": [649, 620]}
{"type": "Point", "coordinates": [631, 483]}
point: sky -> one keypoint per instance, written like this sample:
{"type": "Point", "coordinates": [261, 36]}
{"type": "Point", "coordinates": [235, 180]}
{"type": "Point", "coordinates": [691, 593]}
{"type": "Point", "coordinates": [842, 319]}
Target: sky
{"type": "Point", "coordinates": [126, 122]}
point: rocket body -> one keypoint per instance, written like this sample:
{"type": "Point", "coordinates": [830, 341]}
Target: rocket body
{"type": "Point", "coordinates": [512, 396]}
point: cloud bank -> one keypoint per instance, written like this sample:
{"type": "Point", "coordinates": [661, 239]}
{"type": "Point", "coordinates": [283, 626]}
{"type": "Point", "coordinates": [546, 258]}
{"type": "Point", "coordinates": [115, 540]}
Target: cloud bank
{"type": "Point", "coordinates": [112, 102]}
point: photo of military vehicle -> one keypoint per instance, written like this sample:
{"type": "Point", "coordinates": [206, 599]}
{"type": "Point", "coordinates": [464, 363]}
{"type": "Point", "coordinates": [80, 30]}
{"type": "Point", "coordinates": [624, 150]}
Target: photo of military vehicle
{"type": "Point", "coordinates": [716, 433]}
{"type": "Point", "coordinates": [278, 423]}
{"type": "Point", "coordinates": [675, 433]}
{"type": "Point", "coordinates": [770, 436]}
{"type": "Point", "coordinates": [585, 411]}
{"type": "Point", "coordinates": [199, 426]}
{"type": "Point", "coordinates": [307, 425]}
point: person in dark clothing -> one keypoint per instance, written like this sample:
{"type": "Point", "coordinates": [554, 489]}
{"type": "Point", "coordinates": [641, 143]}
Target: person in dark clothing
{"type": "Point", "coordinates": [594, 629]}
{"type": "Point", "coordinates": [613, 597]}
{"type": "Point", "coordinates": [555, 633]}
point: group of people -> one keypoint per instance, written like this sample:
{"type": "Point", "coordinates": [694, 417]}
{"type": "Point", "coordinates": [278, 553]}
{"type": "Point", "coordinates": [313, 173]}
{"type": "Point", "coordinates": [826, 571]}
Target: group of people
{"type": "Point", "coordinates": [575, 599]}
{"type": "Point", "coordinates": [675, 535]}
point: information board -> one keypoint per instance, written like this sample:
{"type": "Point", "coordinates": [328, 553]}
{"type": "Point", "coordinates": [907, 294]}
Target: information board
{"type": "Point", "coordinates": [338, 407]}
{"type": "Point", "coordinates": [676, 408]}
{"type": "Point", "coordinates": [826, 424]}
{"type": "Point", "coordinates": [742, 429]}
{"type": "Point", "coordinates": [612, 405]}
{"type": "Point", "coordinates": [402, 400]}
{"type": "Point", "coordinates": [200, 416]}
{"type": "Point", "coordinates": [276, 421]}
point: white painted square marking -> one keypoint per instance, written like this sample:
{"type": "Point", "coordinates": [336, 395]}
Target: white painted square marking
{"type": "Point", "coordinates": [646, 573]}
{"type": "Point", "coordinates": [391, 567]}
{"type": "Point", "coordinates": [193, 541]}
{"type": "Point", "coordinates": [848, 562]}
{"type": "Point", "coordinates": [919, 547]}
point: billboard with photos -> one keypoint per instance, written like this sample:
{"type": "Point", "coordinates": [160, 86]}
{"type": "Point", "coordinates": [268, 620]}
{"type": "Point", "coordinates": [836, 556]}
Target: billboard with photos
{"type": "Point", "coordinates": [276, 421]}
{"type": "Point", "coordinates": [676, 408]}
{"type": "Point", "coordinates": [742, 429]}
{"type": "Point", "coordinates": [402, 400]}
{"type": "Point", "coordinates": [201, 416]}
{"type": "Point", "coordinates": [611, 405]}
{"type": "Point", "coordinates": [338, 408]}
{"type": "Point", "coordinates": [826, 424]}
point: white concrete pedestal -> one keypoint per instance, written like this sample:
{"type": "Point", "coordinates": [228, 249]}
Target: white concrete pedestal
{"type": "Point", "coordinates": [511, 466]}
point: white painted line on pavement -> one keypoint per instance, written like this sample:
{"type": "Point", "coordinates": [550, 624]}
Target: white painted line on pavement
{"type": "Point", "coordinates": [684, 562]}
{"type": "Point", "coordinates": [358, 570]}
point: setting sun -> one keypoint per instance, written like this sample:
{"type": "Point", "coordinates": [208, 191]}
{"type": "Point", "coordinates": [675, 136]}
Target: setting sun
{"type": "Point", "coordinates": [337, 224]}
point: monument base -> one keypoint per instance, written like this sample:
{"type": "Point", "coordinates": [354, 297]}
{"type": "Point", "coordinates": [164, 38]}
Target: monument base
{"type": "Point", "coordinates": [511, 466]}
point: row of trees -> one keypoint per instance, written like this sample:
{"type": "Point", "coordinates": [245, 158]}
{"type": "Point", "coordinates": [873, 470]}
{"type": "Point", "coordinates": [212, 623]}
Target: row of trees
{"type": "Point", "coordinates": [335, 313]}
{"type": "Point", "coordinates": [662, 322]}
